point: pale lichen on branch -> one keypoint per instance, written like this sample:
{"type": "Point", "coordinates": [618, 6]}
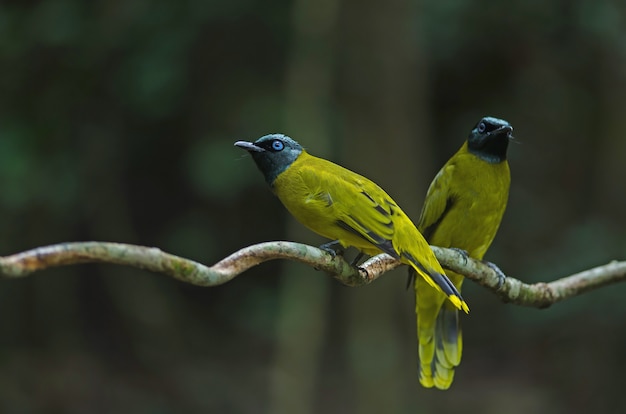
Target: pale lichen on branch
{"type": "Point", "coordinates": [155, 260]}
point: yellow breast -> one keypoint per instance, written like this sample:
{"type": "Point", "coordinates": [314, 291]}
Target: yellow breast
{"type": "Point", "coordinates": [478, 192]}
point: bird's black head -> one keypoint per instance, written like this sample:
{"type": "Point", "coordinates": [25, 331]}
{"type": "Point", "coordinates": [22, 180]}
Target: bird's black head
{"type": "Point", "coordinates": [272, 153]}
{"type": "Point", "coordinates": [489, 139]}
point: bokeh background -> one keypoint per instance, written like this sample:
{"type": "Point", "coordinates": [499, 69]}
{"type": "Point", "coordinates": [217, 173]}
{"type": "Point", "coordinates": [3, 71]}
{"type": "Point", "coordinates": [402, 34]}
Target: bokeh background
{"type": "Point", "coordinates": [117, 120]}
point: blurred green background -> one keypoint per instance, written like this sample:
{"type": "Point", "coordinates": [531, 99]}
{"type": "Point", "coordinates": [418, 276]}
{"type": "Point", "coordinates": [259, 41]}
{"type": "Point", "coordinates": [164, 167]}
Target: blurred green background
{"type": "Point", "coordinates": [117, 120]}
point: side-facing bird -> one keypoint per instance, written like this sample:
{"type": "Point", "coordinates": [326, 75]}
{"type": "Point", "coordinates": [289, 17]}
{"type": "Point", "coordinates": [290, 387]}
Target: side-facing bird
{"type": "Point", "coordinates": [463, 209]}
{"type": "Point", "coordinates": [346, 207]}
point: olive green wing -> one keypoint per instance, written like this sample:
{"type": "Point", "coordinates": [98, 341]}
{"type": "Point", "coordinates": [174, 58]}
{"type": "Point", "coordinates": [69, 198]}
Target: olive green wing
{"type": "Point", "coordinates": [359, 207]}
{"type": "Point", "coordinates": [439, 201]}
{"type": "Point", "coordinates": [356, 204]}
{"type": "Point", "coordinates": [394, 233]}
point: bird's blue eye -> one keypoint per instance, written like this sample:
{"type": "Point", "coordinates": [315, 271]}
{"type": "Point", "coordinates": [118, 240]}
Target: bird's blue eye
{"type": "Point", "coordinates": [482, 127]}
{"type": "Point", "coordinates": [277, 145]}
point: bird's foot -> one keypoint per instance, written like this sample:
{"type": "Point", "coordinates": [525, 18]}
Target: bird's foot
{"type": "Point", "coordinates": [499, 273]}
{"type": "Point", "coordinates": [462, 252]}
{"type": "Point", "coordinates": [333, 248]}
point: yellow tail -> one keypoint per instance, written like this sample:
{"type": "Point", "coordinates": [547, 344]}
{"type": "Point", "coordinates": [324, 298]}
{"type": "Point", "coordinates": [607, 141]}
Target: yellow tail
{"type": "Point", "coordinates": [439, 281]}
{"type": "Point", "coordinates": [440, 349]}
{"type": "Point", "coordinates": [439, 335]}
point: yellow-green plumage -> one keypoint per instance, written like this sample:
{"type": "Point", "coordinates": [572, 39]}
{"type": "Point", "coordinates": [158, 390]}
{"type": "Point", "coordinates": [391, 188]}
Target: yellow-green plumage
{"type": "Point", "coordinates": [344, 206]}
{"type": "Point", "coordinates": [463, 209]}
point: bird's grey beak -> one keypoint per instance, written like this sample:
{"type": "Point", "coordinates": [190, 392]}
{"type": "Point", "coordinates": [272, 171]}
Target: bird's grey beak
{"type": "Point", "coordinates": [504, 130]}
{"type": "Point", "coordinates": [248, 146]}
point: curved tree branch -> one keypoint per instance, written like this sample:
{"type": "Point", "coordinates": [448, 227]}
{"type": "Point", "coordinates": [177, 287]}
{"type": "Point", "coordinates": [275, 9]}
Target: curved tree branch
{"type": "Point", "coordinates": [150, 258]}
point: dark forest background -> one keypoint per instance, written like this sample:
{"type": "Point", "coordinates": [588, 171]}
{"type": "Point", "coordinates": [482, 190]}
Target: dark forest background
{"type": "Point", "coordinates": [117, 123]}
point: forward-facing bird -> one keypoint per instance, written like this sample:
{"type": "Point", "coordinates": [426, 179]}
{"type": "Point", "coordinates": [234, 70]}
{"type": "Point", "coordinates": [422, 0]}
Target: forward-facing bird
{"type": "Point", "coordinates": [347, 208]}
{"type": "Point", "coordinates": [463, 209]}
